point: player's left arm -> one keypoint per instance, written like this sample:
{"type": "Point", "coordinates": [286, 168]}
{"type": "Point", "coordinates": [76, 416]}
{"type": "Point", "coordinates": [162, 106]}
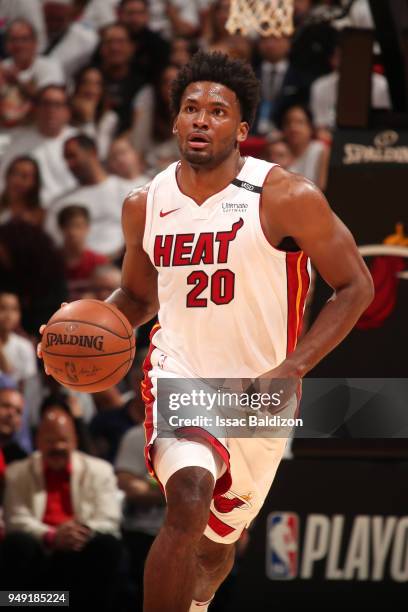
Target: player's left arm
{"type": "Point", "coordinates": [305, 214]}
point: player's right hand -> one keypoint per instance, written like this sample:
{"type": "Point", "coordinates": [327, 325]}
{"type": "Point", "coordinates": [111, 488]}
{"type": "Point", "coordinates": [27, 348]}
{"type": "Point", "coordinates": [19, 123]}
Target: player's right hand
{"type": "Point", "coordinates": [39, 351]}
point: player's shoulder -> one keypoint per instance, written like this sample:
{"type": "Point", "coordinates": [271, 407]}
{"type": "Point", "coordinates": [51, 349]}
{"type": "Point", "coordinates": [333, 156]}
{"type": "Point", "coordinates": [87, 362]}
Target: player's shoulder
{"type": "Point", "coordinates": [138, 195]}
{"type": "Point", "coordinates": [137, 198]}
{"type": "Point", "coordinates": [135, 202]}
{"type": "Point", "coordinates": [286, 188]}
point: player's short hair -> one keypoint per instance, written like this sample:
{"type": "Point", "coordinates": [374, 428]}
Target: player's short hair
{"type": "Point", "coordinates": [237, 75]}
{"type": "Point", "coordinates": [68, 213]}
{"type": "Point", "coordinates": [84, 141]}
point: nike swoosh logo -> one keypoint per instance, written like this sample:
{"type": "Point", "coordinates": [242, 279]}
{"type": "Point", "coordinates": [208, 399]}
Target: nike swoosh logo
{"type": "Point", "coordinates": [164, 214]}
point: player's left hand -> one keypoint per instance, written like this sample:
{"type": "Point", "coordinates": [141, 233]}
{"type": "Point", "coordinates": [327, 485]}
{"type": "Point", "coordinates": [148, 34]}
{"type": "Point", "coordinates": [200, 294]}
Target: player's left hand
{"type": "Point", "coordinates": [282, 380]}
{"type": "Point", "coordinates": [287, 369]}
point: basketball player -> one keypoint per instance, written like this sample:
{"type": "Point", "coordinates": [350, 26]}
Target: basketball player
{"type": "Point", "coordinates": [205, 248]}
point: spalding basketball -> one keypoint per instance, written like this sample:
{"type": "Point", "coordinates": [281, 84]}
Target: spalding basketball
{"type": "Point", "coordinates": [88, 345]}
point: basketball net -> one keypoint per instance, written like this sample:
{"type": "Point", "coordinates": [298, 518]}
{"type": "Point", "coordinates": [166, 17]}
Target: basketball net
{"type": "Point", "coordinates": [266, 17]}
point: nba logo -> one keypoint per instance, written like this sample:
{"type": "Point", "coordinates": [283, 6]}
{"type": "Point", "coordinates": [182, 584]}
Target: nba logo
{"type": "Point", "coordinates": [282, 536]}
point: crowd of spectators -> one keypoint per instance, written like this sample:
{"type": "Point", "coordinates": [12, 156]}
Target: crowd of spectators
{"type": "Point", "coordinates": [84, 119]}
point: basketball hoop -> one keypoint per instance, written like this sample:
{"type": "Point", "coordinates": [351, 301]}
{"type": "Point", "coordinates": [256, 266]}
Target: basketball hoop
{"type": "Point", "coordinates": [265, 17]}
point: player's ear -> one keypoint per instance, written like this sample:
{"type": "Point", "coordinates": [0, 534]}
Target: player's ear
{"type": "Point", "coordinates": [175, 126]}
{"type": "Point", "coordinates": [242, 131]}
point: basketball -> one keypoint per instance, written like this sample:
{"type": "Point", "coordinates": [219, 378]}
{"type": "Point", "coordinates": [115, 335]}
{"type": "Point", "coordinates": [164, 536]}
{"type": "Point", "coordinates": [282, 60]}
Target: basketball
{"type": "Point", "coordinates": [88, 345]}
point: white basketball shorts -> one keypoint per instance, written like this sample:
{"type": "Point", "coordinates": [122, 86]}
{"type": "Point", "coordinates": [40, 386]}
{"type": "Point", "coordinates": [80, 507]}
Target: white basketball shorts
{"type": "Point", "coordinates": [243, 468]}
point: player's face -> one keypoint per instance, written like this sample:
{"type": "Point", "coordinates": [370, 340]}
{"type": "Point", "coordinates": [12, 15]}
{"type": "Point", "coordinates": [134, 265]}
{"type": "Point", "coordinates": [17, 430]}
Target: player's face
{"type": "Point", "coordinates": [209, 126]}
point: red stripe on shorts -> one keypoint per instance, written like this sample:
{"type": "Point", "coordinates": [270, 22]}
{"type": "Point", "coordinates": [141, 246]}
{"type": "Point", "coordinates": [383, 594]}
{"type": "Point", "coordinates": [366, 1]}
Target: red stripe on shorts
{"type": "Point", "coordinates": [148, 399]}
{"type": "Point", "coordinates": [220, 528]}
{"type": "Point", "coordinates": [297, 286]}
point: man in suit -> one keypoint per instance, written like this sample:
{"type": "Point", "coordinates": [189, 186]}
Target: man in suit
{"type": "Point", "coordinates": [62, 514]}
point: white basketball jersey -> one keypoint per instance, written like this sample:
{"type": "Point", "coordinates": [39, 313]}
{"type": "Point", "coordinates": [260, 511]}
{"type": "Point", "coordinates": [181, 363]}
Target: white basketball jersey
{"type": "Point", "coordinates": [231, 305]}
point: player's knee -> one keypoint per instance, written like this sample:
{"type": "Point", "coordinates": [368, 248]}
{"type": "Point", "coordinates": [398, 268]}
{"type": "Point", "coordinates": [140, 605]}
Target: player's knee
{"type": "Point", "coordinates": [189, 493]}
{"type": "Point", "coordinates": [216, 558]}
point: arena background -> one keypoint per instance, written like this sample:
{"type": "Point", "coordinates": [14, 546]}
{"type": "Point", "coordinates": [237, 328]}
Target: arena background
{"type": "Point", "coordinates": [334, 107]}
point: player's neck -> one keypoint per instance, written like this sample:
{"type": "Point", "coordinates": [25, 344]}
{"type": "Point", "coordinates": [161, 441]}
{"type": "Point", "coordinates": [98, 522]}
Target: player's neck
{"type": "Point", "coordinates": [201, 183]}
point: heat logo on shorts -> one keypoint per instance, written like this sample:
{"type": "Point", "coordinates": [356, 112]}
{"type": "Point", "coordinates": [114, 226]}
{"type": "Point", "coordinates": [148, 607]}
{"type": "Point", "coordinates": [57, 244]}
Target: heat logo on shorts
{"type": "Point", "coordinates": [282, 545]}
{"type": "Point", "coordinates": [228, 502]}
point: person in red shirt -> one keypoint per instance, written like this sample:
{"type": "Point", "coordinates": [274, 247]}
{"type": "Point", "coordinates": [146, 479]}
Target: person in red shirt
{"type": "Point", "coordinates": [80, 262]}
{"type": "Point", "coordinates": [62, 515]}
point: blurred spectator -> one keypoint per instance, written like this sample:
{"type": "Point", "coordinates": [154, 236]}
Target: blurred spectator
{"type": "Point", "coordinates": [310, 156]}
{"type": "Point", "coordinates": [277, 151]}
{"type": "Point", "coordinates": [311, 48]}
{"type": "Point", "coordinates": [18, 364]}
{"type": "Point", "coordinates": [163, 147]}
{"type": "Point", "coordinates": [90, 110]}
{"type": "Point", "coordinates": [181, 51]}
{"type": "Point", "coordinates": [17, 354]}
{"type": "Point", "coordinates": [105, 279]}
{"type": "Point", "coordinates": [236, 47]}
{"type": "Point", "coordinates": [95, 13]}
{"type": "Point", "coordinates": [108, 426]}
{"type": "Point", "coordinates": [15, 108]}
{"type": "Point", "coordinates": [27, 9]}
{"type": "Point", "coordinates": [151, 49]}
{"type": "Point", "coordinates": [301, 11]}
{"type": "Point", "coordinates": [144, 504]}
{"type": "Point", "coordinates": [69, 402]}
{"type": "Point", "coordinates": [69, 42]}
{"type": "Point", "coordinates": [272, 72]}
{"type": "Point", "coordinates": [174, 17]}
{"type": "Point", "coordinates": [2, 473]}
{"type": "Point", "coordinates": [215, 18]}
{"type": "Point", "coordinates": [23, 65]}
{"type": "Point", "coordinates": [359, 16]}
{"type": "Point", "coordinates": [80, 262]}
{"type": "Point", "coordinates": [21, 196]}
{"type": "Point", "coordinates": [62, 516]}
{"type": "Point", "coordinates": [44, 141]}
{"type": "Point", "coordinates": [323, 94]}
{"type": "Point", "coordinates": [31, 267]}
{"type": "Point", "coordinates": [121, 80]}
{"type": "Point", "coordinates": [101, 193]}
{"type": "Point", "coordinates": [11, 416]}
{"type": "Point", "coordinates": [125, 161]}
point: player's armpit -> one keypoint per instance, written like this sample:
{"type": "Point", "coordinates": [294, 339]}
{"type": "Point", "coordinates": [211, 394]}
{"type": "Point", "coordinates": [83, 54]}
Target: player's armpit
{"type": "Point", "coordinates": [137, 297]}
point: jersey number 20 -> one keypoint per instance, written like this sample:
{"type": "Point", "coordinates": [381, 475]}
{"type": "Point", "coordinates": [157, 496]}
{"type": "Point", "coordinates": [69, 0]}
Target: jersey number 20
{"type": "Point", "coordinates": [222, 285]}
